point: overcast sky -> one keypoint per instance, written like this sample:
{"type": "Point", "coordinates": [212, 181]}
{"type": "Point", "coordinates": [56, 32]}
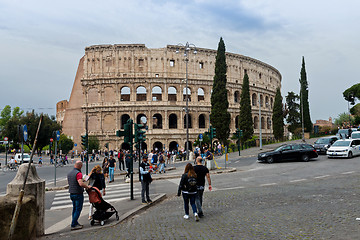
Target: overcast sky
{"type": "Point", "coordinates": [42, 41]}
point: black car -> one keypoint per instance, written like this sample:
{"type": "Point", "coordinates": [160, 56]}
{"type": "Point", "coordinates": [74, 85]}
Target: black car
{"type": "Point", "coordinates": [288, 152]}
{"type": "Point", "coordinates": [323, 144]}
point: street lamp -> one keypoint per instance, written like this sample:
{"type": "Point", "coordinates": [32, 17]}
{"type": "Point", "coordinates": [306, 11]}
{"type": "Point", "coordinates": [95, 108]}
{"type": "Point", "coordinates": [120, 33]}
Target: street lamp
{"type": "Point", "coordinates": [187, 48]}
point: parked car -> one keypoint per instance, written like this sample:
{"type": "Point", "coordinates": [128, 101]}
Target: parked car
{"type": "Point", "coordinates": [344, 133]}
{"type": "Point", "coordinates": [288, 152]}
{"type": "Point", "coordinates": [26, 158]}
{"type": "Point", "coordinates": [322, 144]}
{"type": "Point", "coordinates": [355, 135]}
{"type": "Point", "coordinates": [344, 148]}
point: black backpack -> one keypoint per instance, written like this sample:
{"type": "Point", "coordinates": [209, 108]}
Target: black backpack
{"type": "Point", "coordinates": [192, 184]}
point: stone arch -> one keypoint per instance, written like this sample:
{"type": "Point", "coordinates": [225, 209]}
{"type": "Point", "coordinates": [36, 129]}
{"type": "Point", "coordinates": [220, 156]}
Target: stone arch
{"type": "Point", "coordinates": [172, 93]}
{"type": "Point", "coordinates": [173, 146]}
{"type": "Point", "coordinates": [202, 122]}
{"type": "Point", "coordinates": [267, 102]}
{"type": "Point", "coordinates": [124, 119]}
{"type": "Point", "coordinates": [261, 100]}
{"type": "Point", "coordinates": [263, 123]}
{"type": "Point", "coordinates": [141, 93]}
{"type": "Point", "coordinates": [237, 97]}
{"type": "Point", "coordinates": [268, 123]}
{"type": "Point", "coordinates": [109, 94]}
{"type": "Point", "coordinates": [254, 99]}
{"type": "Point", "coordinates": [188, 93]}
{"type": "Point", "coordinates": [125, 94]}
{"type": "Point", "coordinates": [93, 95]}
{"type": "Point", "coordinates": [157, 121]}
{"type": "Point", "coordinates": [201, 94]}
{"type": "Point", "coordinates": [237, 121]}
{"type": "Point", "coordinates": [156, 94]}
{"type": "Point", "coordinates": [190, 121]}
{"type": "Point", "coordinates": [173, 121]}
{"type": "Point", "coordinates": [94, 123]}
{"type": "Point", "coordinates": [256, 122]}
{"type": "Point", "coordinates": [109, 122]}
{"type": "Point", "coordinates": [158, 146]}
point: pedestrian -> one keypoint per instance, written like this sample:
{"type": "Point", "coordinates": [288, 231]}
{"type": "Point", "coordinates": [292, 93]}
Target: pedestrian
{"type": "Point", "coordinates": [96, 179]}
{"type": "Point", "coordinates": [128, 163]}
{"type": "Point", "coordinates": [161, 162]}
{"type": "Point", "coordinates": [121, 156]}
{"type": "Point", "coordinates": [40, 160]}
{"type": "Point", "coordinates": [51, 159]}
{"type": "Point", "coordinates": [105, 167]}
{"type": "Point", "coordinates": [188, 188]}
{"type": "Point", "coordinates": [112, 166]}
{"type": "Point", "coordinates": [145, 176]}
{"type": "Point", "coordinates": [76, 189]}
{"type": "Point", "coordinates": [201, 172]}
{"type": "Point", "coordinates": [208, 154]}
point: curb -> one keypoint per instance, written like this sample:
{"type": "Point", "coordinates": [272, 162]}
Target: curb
{"type": "Point", "coordinates": [122, 218]}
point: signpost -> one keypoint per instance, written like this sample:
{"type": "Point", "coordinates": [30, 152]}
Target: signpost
{"type": "Point", "coordinates": [6, 143]}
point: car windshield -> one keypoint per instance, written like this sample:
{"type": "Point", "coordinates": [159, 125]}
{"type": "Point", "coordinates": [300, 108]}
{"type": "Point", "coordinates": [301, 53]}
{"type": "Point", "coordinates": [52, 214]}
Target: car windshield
{"type": "Point", "coordinates": [342, 143]}
{"type": "Point", "coordinates": [343, 131]}
{"type": "Point", "coordinates": [26, 155]}
{"type": "Point", "coordinates": [282, 148]}
{"type": "Point", "coordinates": [323, 141]}
{"type": "Point", "coordinates": [355, 135]}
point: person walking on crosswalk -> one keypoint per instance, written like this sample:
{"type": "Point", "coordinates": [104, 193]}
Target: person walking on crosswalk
{"type": "Point", "coordinates": [76, 190]}
{"type": "Point", "coordinates": [145, 176]}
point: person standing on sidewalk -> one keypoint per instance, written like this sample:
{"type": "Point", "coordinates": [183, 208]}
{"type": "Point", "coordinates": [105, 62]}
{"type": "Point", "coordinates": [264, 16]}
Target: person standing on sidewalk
{"type": "Point", "coordinates": [76, 189]}
{"type": "Point", "coordinates": [201, 172]}
{"type": "Point", "coordinates": [112, 166]}
{"type": "Point", "coordinates": [145, 176]}
{"type": "Point", "coordinates": [96, 179]}
{"type": "Point", "coordinates": [188, 187]}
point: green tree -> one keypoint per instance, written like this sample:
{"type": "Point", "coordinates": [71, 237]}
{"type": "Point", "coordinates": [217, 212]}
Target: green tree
{"type": "Point", "coordinates": [5, 116]}
{"type": "Point", "coordinates": [94, 143]}
{"type": "Point", "coordinates": [293, 111]}
{"type": "Point", "coordinates": [304, 98]}
{"type": "Point", "coordinates": [66, 143]}
{"type": "Point", "coordinates": [245, 118]}
{"type": "Point", "coordinates": [343, 119]}
{"type": "Point", "coordinates": [220, 117]}
{"type": "Point", "coordinates": [352, 93]}
{"type": "Point", "coordinates": [278, 116]}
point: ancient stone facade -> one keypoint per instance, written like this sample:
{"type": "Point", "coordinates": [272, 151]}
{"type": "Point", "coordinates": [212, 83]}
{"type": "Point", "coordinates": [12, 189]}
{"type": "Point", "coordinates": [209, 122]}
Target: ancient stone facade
{"type": "Point", "coordinates": [117, 82]}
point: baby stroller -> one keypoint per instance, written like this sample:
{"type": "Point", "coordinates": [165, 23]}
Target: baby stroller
{"type": "Point", "coordinates": [101, 207]}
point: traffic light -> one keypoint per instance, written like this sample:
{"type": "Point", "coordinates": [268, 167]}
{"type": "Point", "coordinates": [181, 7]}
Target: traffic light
{"type": "Point", "coordinates": [127, 133]}
{"type": "Point", "coordinates": [85, 140]}
{"type": "Point", "coordinates": [213, 132]}
{"type": "Point", "coordinates": [139, 134]}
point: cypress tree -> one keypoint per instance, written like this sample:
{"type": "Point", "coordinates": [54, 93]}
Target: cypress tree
{"type": "Point", "coordinates": [278, 116]}
{"type": "Point", "coordinates": [304, 98]}
{"type": "Point", "coordinates": [220, 117]}
{"type": "Point", "coordinates": [245, 118]}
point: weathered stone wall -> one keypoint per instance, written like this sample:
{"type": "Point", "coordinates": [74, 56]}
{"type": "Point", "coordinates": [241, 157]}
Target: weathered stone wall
{"type": "Point", "coordinates": [130, 80]}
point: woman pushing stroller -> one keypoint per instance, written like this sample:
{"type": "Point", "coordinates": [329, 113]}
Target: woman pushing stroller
{"type": "Point", "coordinates": [96, 179]}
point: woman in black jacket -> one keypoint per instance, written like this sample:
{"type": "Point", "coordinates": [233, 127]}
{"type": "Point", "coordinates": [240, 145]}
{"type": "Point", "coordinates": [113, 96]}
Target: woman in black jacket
{"type": "Point", "coordinates": [188, 188]}
{"type": "Point", "coordinates": [96, 179]}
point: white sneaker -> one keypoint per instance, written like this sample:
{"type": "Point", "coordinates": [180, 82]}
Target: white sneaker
{"type": "Point", "coordinates": [196, 217]}
{"type": "Point", "coordinates": [186, 216]}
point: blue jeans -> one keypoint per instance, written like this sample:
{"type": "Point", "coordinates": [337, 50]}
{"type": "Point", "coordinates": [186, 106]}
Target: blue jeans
{"type": "Point", "coordinates": [77, 200]}
{"type": "Point", "coordinates": [162, 165]}
{"type": "Point", "coordinates": [111, 173]}
{"type": "Point", "coordinates": [199, 198]}
{"type": "Point", "coordinates": [191, 198]}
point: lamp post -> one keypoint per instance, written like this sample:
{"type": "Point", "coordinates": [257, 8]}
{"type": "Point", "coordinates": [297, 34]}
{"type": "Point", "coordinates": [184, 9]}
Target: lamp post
{"type": "Point", "coordinates": [187, 47]}
{"type": "Point", "coordinates": [260, 133]}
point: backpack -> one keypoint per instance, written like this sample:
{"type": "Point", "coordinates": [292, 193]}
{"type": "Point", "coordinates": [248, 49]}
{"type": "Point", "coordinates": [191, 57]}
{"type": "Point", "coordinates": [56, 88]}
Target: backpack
{"type": "Point", "coordinates": [192, 184]}
{"type": "Point", "coordinates": [161, 159]}
{"type": "Point", "coordinates": [210, 156]}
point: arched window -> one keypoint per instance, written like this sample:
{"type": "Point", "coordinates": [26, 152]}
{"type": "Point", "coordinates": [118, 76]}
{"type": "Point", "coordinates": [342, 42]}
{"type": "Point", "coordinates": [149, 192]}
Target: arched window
{"type": "Point", "coordinates": [156, 93]}
{"type": "Point", "coordinates": [263, 123]}
{"type": "Point", "coordinates": [201, 94]}
{"type": "Point", "coordinates": [202, 121]}
{"type": "Point", "coordinates": [188, 94]}
{"type": "Point", "coordinates": [172, 94]}
{"type": "Point", "coordinates": [268, 123]}
{"type": "Point", "coordinates": [125, 94]}
{"type": "Point", "coordinates": [237, 96]}
{"type": "Point", "coordinates": [254, 99]}
{"type": "Point", "coordinates": [267, 102]}
{"type": "Point", "coordinates": [256, 122]}
{"type": "Point", "coordinates": [173, 121]}
{"type": "Point", "coordinates": [157, 121]}
{"type": "Point", "coordinates": [261, 100]}
{"type": "Point", "coordinates": [190, 122]}
{"type": "Point", "coordinates": [141, 94]}
{"type": "Point", "coordinates": [271, 103]}
{"type": "Point", "coordinates": [237, 121]}
{"type": "Point", "coordinates": [141, 119]}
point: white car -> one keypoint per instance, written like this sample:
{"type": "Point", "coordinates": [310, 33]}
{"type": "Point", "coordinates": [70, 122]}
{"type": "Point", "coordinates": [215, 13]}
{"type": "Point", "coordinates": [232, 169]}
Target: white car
{"type": "Point", "coordinates": [355, 135]}
{"type": "Point", "coordinates": [344, 148]}
{"type": "Point", "coordinates": [26, 158]}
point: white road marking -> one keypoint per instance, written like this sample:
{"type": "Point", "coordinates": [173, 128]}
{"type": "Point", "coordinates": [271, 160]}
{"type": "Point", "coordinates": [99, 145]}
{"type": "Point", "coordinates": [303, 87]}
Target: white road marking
{"type": "Point", "coordinates": [298, 180]}
{"type": "Point", "coordinates": [222, 189]}
{"type": "Point", "coordinates": [267, 184]}
{"type": "Point", "coordinates": [324, 176]}
{"type": "Point", "coordinates": [348, 172]}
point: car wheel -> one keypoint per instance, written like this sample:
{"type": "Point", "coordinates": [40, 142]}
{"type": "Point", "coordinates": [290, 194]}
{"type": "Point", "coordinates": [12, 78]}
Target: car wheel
{"type": "Point", "coordinates": [350, 155]}
{"type": "Point", "coordinates": [270, 160]}
{"type": "Point", "coordinates": [102, 223]}
{"type": "Point", "coordinates": [92, 222]}
{"type": "Point", "coordinates": [305, 158]}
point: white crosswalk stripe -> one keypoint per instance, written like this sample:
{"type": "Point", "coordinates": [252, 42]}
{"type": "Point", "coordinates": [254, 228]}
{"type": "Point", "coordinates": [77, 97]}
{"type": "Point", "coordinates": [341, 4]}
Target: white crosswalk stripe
{"type": "Point", "coordinates": [114, 193]}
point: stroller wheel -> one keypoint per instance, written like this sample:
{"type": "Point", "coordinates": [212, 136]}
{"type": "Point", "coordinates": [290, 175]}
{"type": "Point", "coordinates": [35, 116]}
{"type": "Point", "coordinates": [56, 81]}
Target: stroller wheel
{"type": "Point", "coordinates": [102, 223]}
{"type": "Point", "coordinates": [92, 222]}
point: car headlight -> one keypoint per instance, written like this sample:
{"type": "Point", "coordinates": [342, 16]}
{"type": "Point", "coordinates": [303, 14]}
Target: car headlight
{"type": "Point", "coordinates": [262, 155]}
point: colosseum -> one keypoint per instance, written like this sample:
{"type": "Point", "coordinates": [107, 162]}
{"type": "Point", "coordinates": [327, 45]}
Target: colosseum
{"type": "Point", "coordinates": [116, 82]}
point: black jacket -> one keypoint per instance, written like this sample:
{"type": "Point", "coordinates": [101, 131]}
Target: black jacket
{"type": "Point", "coordinates": [184, 186]}
{"type": "Point", "coordinates": [98, 180]}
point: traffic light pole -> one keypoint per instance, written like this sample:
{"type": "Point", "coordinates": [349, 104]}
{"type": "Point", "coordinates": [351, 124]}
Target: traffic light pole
{"type": "Point", "coordinates": [55, 161]}
{"type": "Point", "coordinates": [87, 145]}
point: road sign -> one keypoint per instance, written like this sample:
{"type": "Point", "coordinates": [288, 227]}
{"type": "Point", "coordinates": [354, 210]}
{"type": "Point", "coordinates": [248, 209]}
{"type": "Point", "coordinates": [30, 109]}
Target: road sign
{"type": "Point", "coordinates": [201, 137]}
{"type": "Point", "coordinates": [57, 135]}
{"type": "Point", "coordinates": [6, 138]}
{"type": "Point", "coordinates": [51, 140]}
{"type": "Point", "coordinates": [25, 133]}
{"type": "Point", "coordinates": [75, 145]}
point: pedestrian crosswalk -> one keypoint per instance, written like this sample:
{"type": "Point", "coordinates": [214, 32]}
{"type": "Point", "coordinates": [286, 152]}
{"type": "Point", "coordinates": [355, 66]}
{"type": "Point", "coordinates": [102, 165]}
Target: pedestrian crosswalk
{"type": "Point", "coordinates": [114, 193]}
